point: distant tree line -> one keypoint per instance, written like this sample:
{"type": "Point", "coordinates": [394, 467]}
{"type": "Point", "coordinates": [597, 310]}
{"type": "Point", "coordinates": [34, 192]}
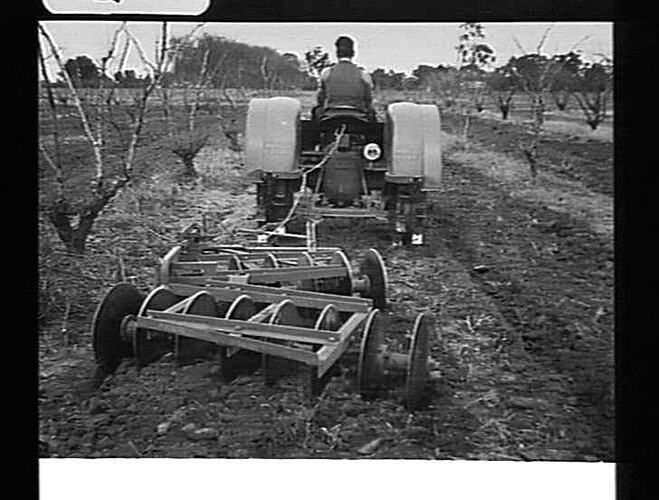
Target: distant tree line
{"type": "Point", "coordinates": [236, 65]}
{"type": "Point", "coordinates": [563, 78]}
{"type": "Point", "coordinates": [242, 65]}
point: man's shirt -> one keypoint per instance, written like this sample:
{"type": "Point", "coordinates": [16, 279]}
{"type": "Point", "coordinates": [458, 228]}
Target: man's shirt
{"type": "Point", "coordinates": [345, 84]}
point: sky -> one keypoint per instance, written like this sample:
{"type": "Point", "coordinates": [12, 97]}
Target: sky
{"type": "Point", "coordinates": [398, 46]}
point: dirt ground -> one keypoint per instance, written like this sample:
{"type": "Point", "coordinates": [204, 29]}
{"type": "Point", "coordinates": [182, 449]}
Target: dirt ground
{"type": "Point", "coordinates": [520, 284]}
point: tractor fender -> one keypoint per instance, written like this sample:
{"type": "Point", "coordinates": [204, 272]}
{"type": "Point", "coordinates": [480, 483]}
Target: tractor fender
{"type": "Point", "coordinates": [272, 134]}
{"type": "Point", "coordinates": [412, 142]}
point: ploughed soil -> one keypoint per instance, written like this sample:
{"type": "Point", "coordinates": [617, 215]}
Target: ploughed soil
{"type": "Point", "coordinates": [576, 157]}
{"type": "Point", "coordinates": [521, 293]}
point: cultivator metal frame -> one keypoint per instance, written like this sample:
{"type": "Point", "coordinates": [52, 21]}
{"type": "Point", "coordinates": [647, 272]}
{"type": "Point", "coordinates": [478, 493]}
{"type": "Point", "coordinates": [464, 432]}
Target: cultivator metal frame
{"type": "Point", "coordinates": [286, 304]}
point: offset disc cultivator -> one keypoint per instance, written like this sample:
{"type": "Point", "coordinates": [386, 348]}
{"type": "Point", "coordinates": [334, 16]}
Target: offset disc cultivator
{"type": "Point", "coordinates": [250, 307]}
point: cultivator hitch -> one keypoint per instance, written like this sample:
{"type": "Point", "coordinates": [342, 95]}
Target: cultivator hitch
{"type": "Point", "coordinates": [231, 303]}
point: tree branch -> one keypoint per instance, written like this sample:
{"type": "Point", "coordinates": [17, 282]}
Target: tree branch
{"type": "Point", "coordinates": [57, 164]}
{"type": "Point", "coordinates": [122, 62]}
{"type": "Point", "coordinates": [519, 45]}
{"type": "Point", "coordinates": [76, 99]}
{"type": "Point", "coordinates": [163, 46]}
{"type": "Point", "coordinates": [579, 43]}
{"type": "Point", "coordinates": [198, 88]}
{"type": "Point", "coordinates": [166, 112]}
{"type": "Point", "coordinates": [141, 108]}
{"type": "Point", "coordinates": [174, 55]}
{"type": "Point", "coordinates": [217, 67]}
{"type": "Point", "coordinates": [226, 95]}
{"type": "Point", "coordinates": [59, 181]}
{"type": "Point", "coordinates": [140, 51]}
{"type": "Point", "coordinates": [543, 39]}
{"type": "Point", "coordinates": [98, 103]}
{"type": "Point", "coordinates": [264, 71]}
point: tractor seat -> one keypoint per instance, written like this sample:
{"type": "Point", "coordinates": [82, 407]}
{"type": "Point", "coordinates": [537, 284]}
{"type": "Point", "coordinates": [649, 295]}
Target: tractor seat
{"type": "Point", "coordinates": [341, 113]}
{"type": "Point", "coordinates": [356, 120]}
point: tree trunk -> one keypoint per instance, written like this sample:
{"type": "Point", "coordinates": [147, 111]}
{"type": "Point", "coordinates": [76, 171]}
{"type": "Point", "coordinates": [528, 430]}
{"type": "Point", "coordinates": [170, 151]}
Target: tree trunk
{"type": "Point", "coordinates": [505, 109]}
{"type": "Point", "coordinates": [594, 122]}
{"type": "Point", "coordinates": [187, 156]}
{"type": "Point", "coordinates": [189, 169]}
{"type": "Point", "coordinates": [531, 154]}
{"type": "Point", "coordinates": [59, 217]}
{"type": "Point", "coordinates": [539, 112]}
{"type": "Point", "coordinates": [82, 230]}
{"type": "Point", "coordinates": [591, 108]}
{"type": "Point", "coordinates": [561, 101]}
{"type": "Point", "coordinates": [74, 238]}
{"type": "Point", "coordinates": [531, 151]}
{"type": "Point", "coordinates": [465, 129]}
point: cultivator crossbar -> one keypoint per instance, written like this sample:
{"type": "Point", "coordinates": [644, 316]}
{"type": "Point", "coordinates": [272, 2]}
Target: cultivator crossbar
{"type": "Point", "coordinates": [284, 304]}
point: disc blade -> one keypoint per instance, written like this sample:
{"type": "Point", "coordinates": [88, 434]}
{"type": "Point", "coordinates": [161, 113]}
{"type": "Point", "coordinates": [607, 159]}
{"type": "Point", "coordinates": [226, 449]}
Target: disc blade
{"type": "Point", "coordinates": [370, 369]}
{"type": "Point", "coordinates": [118, 302]}
{"type": "Point", "coordinates": [372, 265]}
{"type": "Point", "coordinates": [148, 346]}
{"type": "Point", "coordinates": [284, 314]}
{"type": "Point", "coordinates": [189, 349]}
{"type": "Point", "coordinates": [328, 319]}
{"type": "Point", "coordinates": [417, 366]}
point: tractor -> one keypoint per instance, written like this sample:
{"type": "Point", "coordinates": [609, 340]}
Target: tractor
{"type": "Point", "coordinates": [344, 163]}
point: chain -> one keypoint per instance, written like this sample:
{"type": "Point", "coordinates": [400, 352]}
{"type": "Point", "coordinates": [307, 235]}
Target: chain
{"type": "Point", "coordinates": [299, 195]}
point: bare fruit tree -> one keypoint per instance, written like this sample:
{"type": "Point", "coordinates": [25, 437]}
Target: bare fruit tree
{"type": "Point", "coordinates": [268, 72]}
{"type": "Point", "coordinates": [535, 74]}
{"type": "Point", "coordinates": [112, 160]}
{"type": "Point", "coordinates": [592, 91]}
{"type": "Point", "coordinates": [229, 120]}
{"type": "Point", "coordinates": [444, 82]}
{"type": "Point", "coordinates": [316, 60]}
{"type": "Point", "coordinates": [503, 87]}
{"type": "Point", "coordinates": [189, 139]}
{"type": "Point", "coordinates": [564, 84]}
{"type": "Point", "coordinates": [474, 55]}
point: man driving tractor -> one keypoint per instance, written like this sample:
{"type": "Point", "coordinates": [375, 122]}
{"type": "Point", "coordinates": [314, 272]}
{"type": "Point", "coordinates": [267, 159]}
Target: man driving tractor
{"type": "Point", "coordinates": [344, 85]}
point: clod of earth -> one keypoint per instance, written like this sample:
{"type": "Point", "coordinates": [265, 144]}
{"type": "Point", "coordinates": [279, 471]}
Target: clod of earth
{"type": "Point", "coordinates": [205, 433]}
{"type": "Point", "coordinates": [370, 447]}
